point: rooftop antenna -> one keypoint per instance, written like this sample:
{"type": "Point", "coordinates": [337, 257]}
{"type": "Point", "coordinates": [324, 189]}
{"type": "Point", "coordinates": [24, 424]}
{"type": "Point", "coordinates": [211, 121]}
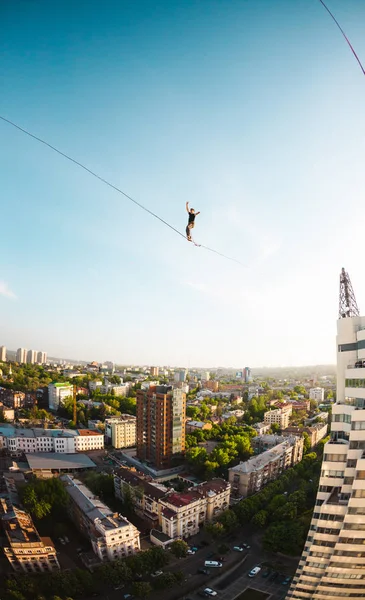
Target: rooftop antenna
{"type": "Point", "coordinates": [348, 305]}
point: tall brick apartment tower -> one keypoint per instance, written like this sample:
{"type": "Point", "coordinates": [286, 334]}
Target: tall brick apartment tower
{"type": "Point", "coordinates": [160, 425]}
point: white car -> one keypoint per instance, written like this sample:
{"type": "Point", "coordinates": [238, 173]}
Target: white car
{"type": "Point", "coordinates": [210, 592]}
{"type": "Point", "coordinates": [254, 571]}
{"type": "Point", "coordinates": [237, 549]}
{"type": "Point", "coordinates": [157, 574]}
{"type": "Point", "coordinates": [190, 551]}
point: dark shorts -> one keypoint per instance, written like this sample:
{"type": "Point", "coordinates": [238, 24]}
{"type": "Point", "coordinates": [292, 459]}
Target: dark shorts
{"type": "Point", "coordinates": [189, 227]}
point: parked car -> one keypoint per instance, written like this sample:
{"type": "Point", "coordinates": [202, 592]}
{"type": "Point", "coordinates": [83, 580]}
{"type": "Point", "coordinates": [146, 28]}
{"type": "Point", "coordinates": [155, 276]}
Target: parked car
{"type": "Point", "coordinates": [286, 581]}
{"type": "Point", "coordinates": [190, 551]}
{"type": "Point", "coordinates": [266, 573]}
{"type": "Point", "coordinates": [128, 597]}
{"type": "Point", "coordinates": [210, 592]}
{"type": "Point", "coordinates": [244, 545]}
{"type": "Point", "coordinates": [203, 571]}
{"type": "Point", "coordinates": [157, 574]}
{"type": "Point", "coordinates": [255, 571]}
{"type": "Point", "coordinates": [237, 549]}
{"type": "Point", "coordinates": [274, 576]}
{"type": "Point", "coordinates": [119, 587]}
{"type": "Point", "coordinates": [66, 539]}
{"type": "Point", "coordinates": [194, 548]}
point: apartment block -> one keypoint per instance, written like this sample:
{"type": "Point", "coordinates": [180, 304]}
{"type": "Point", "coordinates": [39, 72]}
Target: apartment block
{"type": "Point", "coordinates": [261, 443]}
{"type": "Point", "coordinates": [154, 371]}
{"type": "Point", "coordinates": [121, 432]}
{"type": "Point", "coordinates": [160, 425]}
{"type": "Point", "coordinates": [142, 492]}
{"type": "Point", "coordinates": [280, 416]}
{"type": "Point", "coordinates": [194, 425]}
{"type": "Point", "coordinates": [57, 394]}
{"type": "Point", "coordinates": [67, 441]}
{"type": "Point", "coordinates": [12, 399]}
{"type": "Point", "coordinates": [31, 357]}
{"type": "Point", "coordinates": [2, 353]}
{"type": "Point", "coordinates": [21, 355]}
{"type": "Point", "coordinates": [251, 476]}
{"type": "Point", "coordinates": [316, 432]}
{"type": "Point", "coordinates": [333, 560]}
{"type": "Point", "coordinates": [42, 358]}
{"type": "Point", "coordinates": [182, 513]}
{"type": "Point", "coordinates": [316, 394]}
{"type": "Point", "coordinates": [111, 535]}
{"type": "Point", "coordinates": [25, 550]}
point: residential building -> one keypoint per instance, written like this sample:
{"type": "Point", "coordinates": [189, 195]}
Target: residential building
{"type": "Point", "coordinates": [160, 425]}
{"type": "Point", "coordinates": [333, 560]}
{"type": "Point", "coordinates": [142, 492]}
{"type": "Point", "coordinates": [316, 394]}
{"type": "Point", "coordinates": [194, 425]}
{"type": "Point", "coordinates": [2, 353]}
{"type": "Point", "coordinates": [261, 443]}
{"type": "Point", "coordinates": [68, 441]}
{"type": "Point", "coordinates": [57, 394]}
{"type": "Point", "coordinates": [261, 428]}
{"type": "Point", "coordinates": [280, 416]}
{"type": "Point", "coordinates": [111, 535]}
{"type": "Point", "coordinates": [180, 375]}
{"type": "Point", "coordinates": [213, 386]}
{"type": "Point", "coordinates": [95, 386]}
{"type": "Point", "coordinates": [26, 551]}
{"type": "Point", "coordinates": [121, 432]}
{"type": "Point", "coordinates": [182, 513]}
{"type": "Point", "coordinates": [154, 371]}
{"type": "Point", "coordinates": [316, 432]}
{"type": "Point", "coordinates": [247, 374]}
{"type": "Point", "coordinates": [204, 376]}
{"type": "Point", "coordinates": [302, 404]}
{"type": "Point", "coordinates": [31, 357]}
{"type": "Point", "coordinates": [42, 358]}
{"type": "Point", "coordinates": [21, 355]}
{"type": "Point", "coordinates": [12, 399]}
{"type": "Point", "coordinates": [251, 476]}
{"type": "Point", "coordinates": [323, 416]}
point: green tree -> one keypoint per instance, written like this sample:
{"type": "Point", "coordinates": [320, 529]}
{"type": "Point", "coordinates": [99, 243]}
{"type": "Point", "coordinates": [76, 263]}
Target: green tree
{"type": "Point", "coordinates": [229, 520]}
{"type": "Point", "coordinates": [142, 589]}
{"type": "Point", "coordinates": [260, 518]}
{"type": "Point", "coordinates": [306, 442]}
{"type": "Point", "coordinates": [179, 548]}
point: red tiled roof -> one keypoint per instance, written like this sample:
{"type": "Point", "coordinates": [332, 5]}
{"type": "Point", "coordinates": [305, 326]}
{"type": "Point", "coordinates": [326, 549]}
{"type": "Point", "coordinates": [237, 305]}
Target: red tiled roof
{"type": "Point", "coordinates": [88, 432]}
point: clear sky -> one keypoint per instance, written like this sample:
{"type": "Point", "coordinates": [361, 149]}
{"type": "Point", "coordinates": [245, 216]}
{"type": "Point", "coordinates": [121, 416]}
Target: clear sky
{"type": "Point", "coordinates": [252, 110]}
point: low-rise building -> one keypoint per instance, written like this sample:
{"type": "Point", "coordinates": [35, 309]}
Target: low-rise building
{"type": "Point", "coordinates": [251, 476]}
{"type": "Point", "coordinates": [12, 399]}
{"type": "Point", "coordinates": [26, 551]}
{"type": "Point", "coordinates": [18, 440]}
{"type": "Point", "coordinates": [261, 428]}
{"type": "Point", "coordinates": [195, 425]}
{"type": "Point", "coordinates": [316, 432]}
{"type": "Point", "coordinates": [121, 431]}
{"type": "Point", "coordinates": [142, 492]}
{"type": "Point", "coordinates": [279, 416]}
{"type": "Point", "coordinates": [316, 394]}
{"type": "Point", "coordinates": [45, 465]}
{"type": "Point", "coordinates": [182, 513]}
{"type": "Point", "coordinates": [261, 443]}
{"type": "Point", "coordinates": [302, 404]}
{"type": "Point", "coordinates": [8, 413]}
{"type": "Point", "coordinates": [111, 535]}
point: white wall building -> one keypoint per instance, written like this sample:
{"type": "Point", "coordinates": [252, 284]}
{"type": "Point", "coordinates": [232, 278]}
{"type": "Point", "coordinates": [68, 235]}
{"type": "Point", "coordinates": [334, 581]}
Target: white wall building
{"type": "Point", "coordinates": [31, 357]}
{"type": "Point", "coordinates": [42, 358]}
{"type": "Point", "coordinates": [21, 355]}
{"type": "Point", "coordinates": [2, 353]}
{"type": "Point", "coordinates": [316, 394]}
{"type": "Point", "coordinates": [121, 431]}
{"type": "Point", "coordinates": [57, 393]}
{"type": "Point", "coordinates": [111, 535]}
{"type": "Point", "coordinates": [333, 560]}
{"type": "Point", "coordinates": [67, 441]}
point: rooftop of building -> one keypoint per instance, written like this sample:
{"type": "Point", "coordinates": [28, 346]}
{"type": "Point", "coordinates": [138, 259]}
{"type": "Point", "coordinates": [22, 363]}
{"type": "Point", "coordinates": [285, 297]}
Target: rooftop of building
{"type": "Point", "coordinates": [197, 424]}
{"type": "Point", "coordinates": [155, 491]}
{"type": "Point", "coordinates": [207, 489]}
{"type": "Point", "coordinates": [87, 432]}
{"type": "Point", "coordinates": [92, 507]}
{"type": "Point", "coordinates": [60, 385]}
{"type": "Point", "coordinates": [52, 460]}
{"type": "Point", "coordinates": [262, 460]}
{"type": "Point", "coordinates": [121, 419]}
{"type": "Point", "coordinates": [271, 438]}
{"type": "Point", "coordinates": [18, 526]}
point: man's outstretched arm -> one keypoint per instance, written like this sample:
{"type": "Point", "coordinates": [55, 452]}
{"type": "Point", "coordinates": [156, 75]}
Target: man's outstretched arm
{"type": "Point", "coordinates": [187, 206]}
{"type": "Point", "coordinates": [198, 213]}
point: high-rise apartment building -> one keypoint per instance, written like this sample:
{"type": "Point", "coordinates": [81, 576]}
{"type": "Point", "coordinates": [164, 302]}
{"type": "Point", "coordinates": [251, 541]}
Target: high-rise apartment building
{"type": "Point", "coordinates": [31, 357]}
{"type": "Point", "coordinates": [247, 374]}
{"type": "Point", "coordinates": [180, 376]}
{"type": "Point", "coordinates": [21, 355]}
{"type": "Point", "coordinates": [160, 425]}
{"type": "Point", "coordinates": [279, 416]}
{"type": "Point", "coordinates": [42, 358]}
{"type": "Point", "coordinates": [333, 560]}
{"type": "Point", "coordinates": [316, 394]}
{"type": "Point", "coordinates": [57, 393]}
{"type": "Point", "coordinates": [154, 371]}
{"type": "Point", "coordinates": [2, 353]}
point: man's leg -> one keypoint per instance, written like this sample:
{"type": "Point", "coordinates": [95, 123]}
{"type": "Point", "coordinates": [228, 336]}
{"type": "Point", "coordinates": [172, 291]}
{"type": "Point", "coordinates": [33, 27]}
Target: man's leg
{"type": "Point", "coordinates": [188, 234]}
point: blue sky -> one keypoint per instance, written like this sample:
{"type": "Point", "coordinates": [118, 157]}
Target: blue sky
{"type": "Point", "coordinates": [252, 110]}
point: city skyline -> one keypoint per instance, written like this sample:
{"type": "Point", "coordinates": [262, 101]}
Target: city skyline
{"type": "Point", "coordinates": [252, 112]}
